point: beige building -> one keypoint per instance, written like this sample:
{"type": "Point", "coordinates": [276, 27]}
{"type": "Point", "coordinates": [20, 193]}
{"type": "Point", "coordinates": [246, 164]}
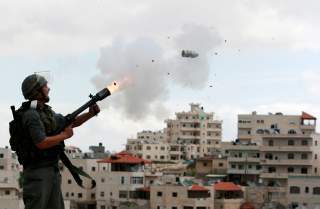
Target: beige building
{"type": "Point", "coordinates": [227, 195]}
{"type": "Point", "coordinates": [181, 197]}
{"type": "Point", "coordinates": [80, 197]}
{"type": "Point", "coordinates": [10, 192]}
{"type": "Point", "coordinates": [304, 191]}
{"type": "Point", "coordinates": [211, 165]}
{"type": "Point", "coordinates": [252, 127]}
{"type": "Point", "coordinates": [190, 135]}
{"type": "Point", "coordinates": [243, 162]}
{"type": "Point", "coordinates": [121, 182]}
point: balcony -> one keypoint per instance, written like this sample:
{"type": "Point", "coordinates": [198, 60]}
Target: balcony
{"type": "Point", "coordinates": [242, 148]}
{"type": "Point", "coordinates": [244, 159]}
{"type": "Point", "coordinates": [190, 129]}
{"type": "Point", "coordinates": [274, 175]}
{"type": "Point", "coordinates": [308, 127]}
{"type": "Point", "coordinates": [242, 171]}
{"type": "Point", "coordinates": [285, 149]}
{"type": "Point", "coordinates": [286, 162]}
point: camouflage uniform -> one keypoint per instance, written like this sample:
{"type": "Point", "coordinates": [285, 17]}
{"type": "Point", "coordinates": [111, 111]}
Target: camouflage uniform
{"type": "Point", "coordinates": [41, 177]}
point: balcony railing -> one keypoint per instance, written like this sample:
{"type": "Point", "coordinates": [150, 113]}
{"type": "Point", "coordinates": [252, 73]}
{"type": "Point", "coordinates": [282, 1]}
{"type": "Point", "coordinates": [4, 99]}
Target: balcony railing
{"type": "Point", "coordinates": [285, 149]}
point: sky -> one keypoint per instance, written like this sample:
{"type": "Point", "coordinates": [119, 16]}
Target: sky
{"type": "Point", "coordinates": [253, 56]}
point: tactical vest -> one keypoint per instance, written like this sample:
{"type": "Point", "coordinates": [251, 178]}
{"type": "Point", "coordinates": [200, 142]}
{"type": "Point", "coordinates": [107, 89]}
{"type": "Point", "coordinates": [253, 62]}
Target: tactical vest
{"type": "Point", "coordinates": [21, 142]}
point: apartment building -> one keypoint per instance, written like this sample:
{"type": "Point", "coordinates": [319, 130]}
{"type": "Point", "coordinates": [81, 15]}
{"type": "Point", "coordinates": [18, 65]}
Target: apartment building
{"type": "Point", "coordinates": [10, 191]}
{"type": "Point", "coordinates": [71, 191]}
{"type": "Point", "coordinates": [190, 135]}
{"type": "Point", "coordinates": [211, 165]}
{"type": "Point", "coordinates": [170, 196]}
{"type": "Point", "coordinates": [304, 192]}
{"type": "Point", "coordinates": [227, 195]}
{"type": "Point", "coordinates": [243, 162]}
{"type": "Point", "coordinates": [121, 182]}
{"type": "Point", "coordinates": [252, 127]}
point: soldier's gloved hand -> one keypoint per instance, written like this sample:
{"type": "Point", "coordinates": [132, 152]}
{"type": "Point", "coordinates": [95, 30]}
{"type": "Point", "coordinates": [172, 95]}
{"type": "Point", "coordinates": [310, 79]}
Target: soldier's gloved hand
{"type": "Point", "coordinates": [94, 109]}
{"type": "Point", "coordinates": [68, 132]}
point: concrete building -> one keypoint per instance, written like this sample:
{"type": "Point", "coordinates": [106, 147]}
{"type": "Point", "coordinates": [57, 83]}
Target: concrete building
{"type": "Point", "coordinates": [181, 197]}
{"type": "Point", "coordinates": [211, 165]}
{"type": "Point", "coordinates": [190, 135]}
{"type": "Point", "coordinates": [10, 191]}
{"type": "Point", "coordinates": [252, 127]}
{"type": "Point", "coordinates": [304, 191]}
{"type": "Point", "coordinates": [71, 191]}
{"type": "Point", "coordinates": [121, 182]}
{"type": "Point", "coordinates": [227, 195]}
{"type": "Point", "coordinates": [243, 162]}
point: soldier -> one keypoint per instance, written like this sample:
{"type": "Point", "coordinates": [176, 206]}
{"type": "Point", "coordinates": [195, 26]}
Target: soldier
{"type": "Point", "coordinates": [41, 176]}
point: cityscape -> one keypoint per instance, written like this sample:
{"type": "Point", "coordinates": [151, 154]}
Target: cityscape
{"type": "Point", "coordinates": [273, 163]}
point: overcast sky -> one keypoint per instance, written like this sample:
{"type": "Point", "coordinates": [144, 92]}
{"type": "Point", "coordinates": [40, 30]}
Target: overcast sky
{"type": "Point", "coordinates": [257, 56]}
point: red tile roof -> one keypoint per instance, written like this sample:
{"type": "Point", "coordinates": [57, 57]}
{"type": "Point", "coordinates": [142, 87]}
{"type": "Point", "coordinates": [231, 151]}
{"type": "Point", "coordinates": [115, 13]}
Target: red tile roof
{"type": "Point", "coordinates": [247, 205]}
{"type": "Point", "coordinates": [307, 116]}
{"type": "Point", "coordinates": [197, 188]}
{"type": "Point", "coordinates": [124, 158]}
{"type": "Point", "coordinates": [226, 186]}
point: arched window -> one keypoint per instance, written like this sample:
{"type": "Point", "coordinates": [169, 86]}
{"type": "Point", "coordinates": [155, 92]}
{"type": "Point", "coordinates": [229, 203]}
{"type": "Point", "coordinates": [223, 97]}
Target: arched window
{"type": "Point", "coordinates": [291, 131]}
{"type": "Point", "coordinates": [316, 190]}
{"type": "Point", "coordinates": [290, 142]}
{"type": "Point", "coordinates": [294, 190]}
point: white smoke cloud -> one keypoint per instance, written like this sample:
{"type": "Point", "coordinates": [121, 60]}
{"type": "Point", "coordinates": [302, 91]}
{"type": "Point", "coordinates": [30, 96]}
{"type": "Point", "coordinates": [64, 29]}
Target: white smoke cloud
{"type": "Point", "coordinates": [145, 62]}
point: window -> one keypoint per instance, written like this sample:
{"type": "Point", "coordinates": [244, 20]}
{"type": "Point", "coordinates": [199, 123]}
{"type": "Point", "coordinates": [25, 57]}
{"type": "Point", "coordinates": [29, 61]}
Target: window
{"type": "Point", "coordinates": [260, 131]}
{"type": "Point", "coordinates": [174, 194]}
{"type": "Point", "coordinates": [316, 190]}
{"type": "Point", "coordinates": [315, 156]}
{"type": "Point", "coordinates": [304, 170]}
{"type": "Point", "coordinates": [220, 164]}
{"type": "Point", "coordinates": [1, 155]}
{"type": "Point", "coordinates": [233, 166]}
{"type": "Point", "coordinates": [162, 148]}
{"type": "Point", "coordinates": [7, 192]}
{"type": "Point", "coordinates": [291, 156]}
{"type": "Point", "coordinates": [148, 148]}
{"type": "Point", "coordinates": [315, 170]}
{"type": "Point", "coordinates": [290, 170]}
{"type": "Point", "coordinates": [174, 208]}
{"type": "Point", "coordinates": [69, 181]}
{"type": "Point", "coordinates": [270, 143]}
{"type": "Point", "coordinates": [123, 194]}
{"type": "Point", "coordinates": [93, 195]}
{"type": "Point", "coordinates": [102, 207]}
{"type": "Point", "coordinates": [204, 164]}
{"type": "Point", "coordinates": [79, 195]}
{"type": "Point", "coordinates": [159, 194]}
{"type": "Point", "coordinates": [93, 168]}
{"type": "Point", "coordinates": [291, 131]}
{"type": "Point", "coordinates": [306, 190]}
{"type": "Point", "coordinates": [304, 156]}
{"type": "Point", "coordinates": [290, 142]}
{"type": "Point", "coordinates": [272, 169]}
{"type": "Point", "coordinates": [122, 179]}
{"type": "Point", "coordinates": [72, 194]}
{"type": "Point", "coordinates": [67, 194]}
{"type": "Point", "coordinates": [101, 194]}
{"type": "Point", "coordinates": [102, 180]}
{"type": "Point", "coordinates": [304, 143]}
{"type": "Point", "coordinates": [136, 180]}
{"type": "Point", "coordinates": [315, 143]}
{"type": "Point", "coordinates": [258, 167]}
{"type": "Point", "coordinates": [294, 190]}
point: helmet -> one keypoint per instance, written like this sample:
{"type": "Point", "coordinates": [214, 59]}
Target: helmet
{"type": "Point", "coordinates": [31, 85]}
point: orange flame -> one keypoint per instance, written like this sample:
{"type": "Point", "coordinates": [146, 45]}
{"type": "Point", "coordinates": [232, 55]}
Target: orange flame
{"type": "Point", "coordinates": [119, 85]}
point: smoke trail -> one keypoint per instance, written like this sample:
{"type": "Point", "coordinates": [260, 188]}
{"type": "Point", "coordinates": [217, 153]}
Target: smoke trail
{"type": "Point", "coordinates": [144, 61]}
